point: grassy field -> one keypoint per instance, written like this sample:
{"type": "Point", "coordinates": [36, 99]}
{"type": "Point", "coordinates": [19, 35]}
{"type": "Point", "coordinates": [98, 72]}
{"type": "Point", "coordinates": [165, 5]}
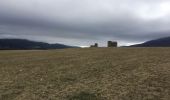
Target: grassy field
{"type": "Point", "coordinates": [86, 74]}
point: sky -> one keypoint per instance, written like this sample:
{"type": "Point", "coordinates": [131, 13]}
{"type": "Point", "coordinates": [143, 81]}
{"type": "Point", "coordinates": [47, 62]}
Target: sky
{"type": "Point", "coordinates": [85, 22]}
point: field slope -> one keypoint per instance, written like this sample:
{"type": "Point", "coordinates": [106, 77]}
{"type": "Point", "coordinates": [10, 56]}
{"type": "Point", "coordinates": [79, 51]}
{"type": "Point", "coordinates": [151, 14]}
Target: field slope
{"type": "Point", "coordinates": [86, 74]}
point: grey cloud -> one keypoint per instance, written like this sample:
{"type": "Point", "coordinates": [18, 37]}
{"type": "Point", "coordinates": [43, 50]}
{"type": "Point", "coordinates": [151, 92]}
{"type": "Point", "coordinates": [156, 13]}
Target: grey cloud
{"type": "Point", "coordinates": [86, 21]}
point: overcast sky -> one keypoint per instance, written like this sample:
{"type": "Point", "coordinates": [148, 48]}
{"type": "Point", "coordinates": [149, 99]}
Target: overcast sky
{"type": "Point", "coordinates": [84, 22]}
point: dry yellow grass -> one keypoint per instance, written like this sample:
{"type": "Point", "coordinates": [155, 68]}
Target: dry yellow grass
{"type": "Point", "coordinates": [86, 74]}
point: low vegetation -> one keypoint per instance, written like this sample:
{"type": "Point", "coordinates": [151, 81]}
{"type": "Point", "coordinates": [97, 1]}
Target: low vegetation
{"type": "Point", "coordinates": [86, 74]}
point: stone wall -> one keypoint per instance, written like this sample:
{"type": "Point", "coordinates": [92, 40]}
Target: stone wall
{"type": "Point", "coordinates": [111, 44]}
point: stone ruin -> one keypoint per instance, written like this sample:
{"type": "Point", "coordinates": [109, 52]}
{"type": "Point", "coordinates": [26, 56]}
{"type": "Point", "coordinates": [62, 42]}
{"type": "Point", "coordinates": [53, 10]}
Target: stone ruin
{"type": "Point", "coordinates": [111, 44]}
{"type": "Point", "coordinates": [95, 45]}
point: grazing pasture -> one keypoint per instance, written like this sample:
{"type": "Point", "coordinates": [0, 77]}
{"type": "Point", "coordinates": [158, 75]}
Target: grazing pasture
{"type": "Point", "coordinates": [85, 74]}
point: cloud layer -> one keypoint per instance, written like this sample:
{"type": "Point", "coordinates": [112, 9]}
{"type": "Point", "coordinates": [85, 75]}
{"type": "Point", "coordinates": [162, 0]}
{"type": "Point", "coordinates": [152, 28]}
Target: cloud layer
{"type": "Point", "coordinates": [82, 22]}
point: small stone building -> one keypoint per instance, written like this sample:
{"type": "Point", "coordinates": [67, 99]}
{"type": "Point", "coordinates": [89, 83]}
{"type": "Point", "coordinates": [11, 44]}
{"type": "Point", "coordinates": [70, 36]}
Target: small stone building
{"type": "Point", "coordinates": [112, 44]}
{"type": "Point", "coordinates": [95, 45]}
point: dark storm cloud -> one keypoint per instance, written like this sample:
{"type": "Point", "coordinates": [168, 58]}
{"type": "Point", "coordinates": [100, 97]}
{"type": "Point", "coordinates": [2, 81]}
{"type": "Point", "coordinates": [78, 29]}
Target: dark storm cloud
{"type": "Point", "coordinates": [82, 22]}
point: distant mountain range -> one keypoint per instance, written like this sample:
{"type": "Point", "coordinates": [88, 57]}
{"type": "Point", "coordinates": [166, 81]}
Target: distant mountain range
{"type": "Point", "coordinates": [23, 44]}
{"type": "Point", "coordinates": [162, 42]}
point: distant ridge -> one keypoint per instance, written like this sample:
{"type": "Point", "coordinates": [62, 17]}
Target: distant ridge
{"type": "Point", "coordinates": [24, 44]}
{"type": "Point", "coordinates": [161, 42]}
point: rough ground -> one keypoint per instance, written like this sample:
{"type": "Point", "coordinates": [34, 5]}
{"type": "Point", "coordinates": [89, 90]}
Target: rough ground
{"type": "Point", "coordinates": [86, 74]}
